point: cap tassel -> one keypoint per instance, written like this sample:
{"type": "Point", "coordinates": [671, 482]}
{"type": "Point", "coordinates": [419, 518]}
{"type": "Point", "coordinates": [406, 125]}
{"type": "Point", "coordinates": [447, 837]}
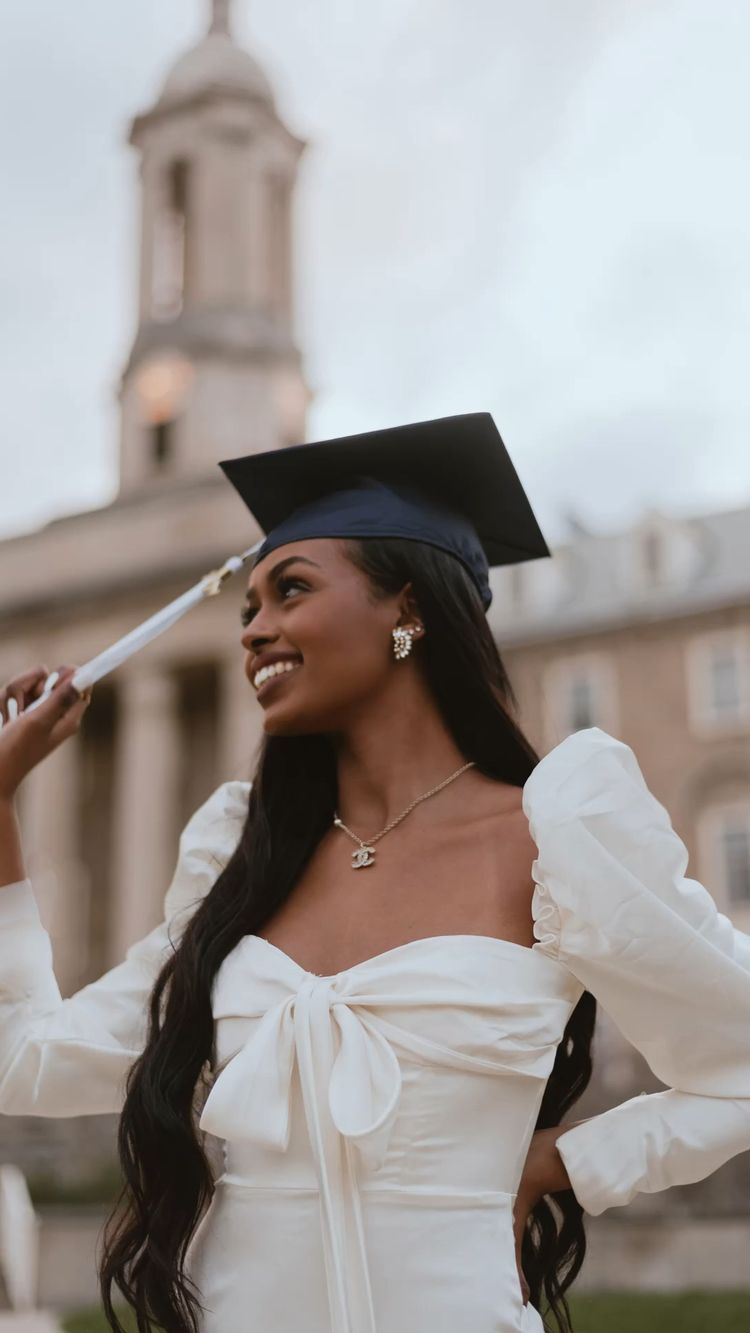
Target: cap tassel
{"type": "Point", "coordinates": [114, 656]}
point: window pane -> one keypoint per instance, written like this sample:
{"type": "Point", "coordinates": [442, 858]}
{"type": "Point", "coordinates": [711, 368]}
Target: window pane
{"type": "Point", "coordinates": [736, 847]}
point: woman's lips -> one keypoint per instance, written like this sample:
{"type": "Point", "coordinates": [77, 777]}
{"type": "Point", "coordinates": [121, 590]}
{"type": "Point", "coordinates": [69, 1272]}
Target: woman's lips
{"type": "Point", "coordinates": [275, 680]}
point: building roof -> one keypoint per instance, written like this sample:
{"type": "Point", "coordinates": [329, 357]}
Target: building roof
{"type": "Point", "coordinates": [216, 64]}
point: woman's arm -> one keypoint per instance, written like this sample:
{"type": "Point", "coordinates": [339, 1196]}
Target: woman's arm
{"type": "Point", "coordinates": [66, 1057]}
{"type": "Point", "coordinates": [12, 869]}
{"type": "Point", "coordinates": [662, 1139]}
{"type": "Point", "coordinates": [613, 903]}
{"type": "Point", "coordinates": [650, 1143]}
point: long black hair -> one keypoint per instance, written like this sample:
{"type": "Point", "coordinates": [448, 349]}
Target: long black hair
{"type": "Point", "coordinates": [168, 1182]}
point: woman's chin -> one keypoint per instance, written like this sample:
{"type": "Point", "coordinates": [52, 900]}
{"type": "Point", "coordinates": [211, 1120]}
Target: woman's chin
{"type": "Point", "coordinates": [280, 717]}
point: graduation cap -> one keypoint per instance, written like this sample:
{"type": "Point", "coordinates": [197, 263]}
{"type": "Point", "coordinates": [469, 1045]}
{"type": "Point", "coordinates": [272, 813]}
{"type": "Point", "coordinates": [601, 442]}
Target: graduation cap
{"type": "Point", "coordinates": [448, 482]}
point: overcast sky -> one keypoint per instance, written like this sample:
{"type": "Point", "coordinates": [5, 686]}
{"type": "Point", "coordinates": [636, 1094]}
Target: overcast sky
{"type": "Point", "coordinates": [533, 207]}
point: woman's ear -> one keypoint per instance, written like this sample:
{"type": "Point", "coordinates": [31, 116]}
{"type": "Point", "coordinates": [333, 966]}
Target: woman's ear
{"type": "Point", "coordinates": [409, 610]}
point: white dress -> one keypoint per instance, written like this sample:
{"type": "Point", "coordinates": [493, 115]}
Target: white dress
{"type": "Point", "coordinates": [376, 1122]}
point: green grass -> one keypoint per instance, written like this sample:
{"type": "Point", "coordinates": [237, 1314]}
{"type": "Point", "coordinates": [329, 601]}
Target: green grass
{"type": "Point", "coordinates": [683, 1312]}
{"type": "Point", "coordinates": [101, 1186]}
{"type": "Point", "coordinates": [686, 1312]}
{"type": "Point", "coordinates": [91, 1321]}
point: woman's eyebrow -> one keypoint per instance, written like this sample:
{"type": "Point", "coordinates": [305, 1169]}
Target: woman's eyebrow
{"type": "Point", "coordinates": [289, 560]}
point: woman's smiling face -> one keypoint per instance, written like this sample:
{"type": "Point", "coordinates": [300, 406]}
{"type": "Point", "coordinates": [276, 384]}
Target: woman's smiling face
{"type": "Point", "coordinates": [306, 599]}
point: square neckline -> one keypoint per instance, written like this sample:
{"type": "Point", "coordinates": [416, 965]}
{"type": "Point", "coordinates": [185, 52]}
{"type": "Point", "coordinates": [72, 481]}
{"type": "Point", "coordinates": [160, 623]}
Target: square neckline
{"type": "Point", "coordinates": [495, 941]}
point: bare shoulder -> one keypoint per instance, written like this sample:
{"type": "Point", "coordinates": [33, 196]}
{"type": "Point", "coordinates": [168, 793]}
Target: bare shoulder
{"type": "Point", "coordinates": [491, 814]}
{"type": "Point", "coordinates": [524, 847]}
{"type": "Point", "coordinates": [505, 821]}
{"type": "Point", "coordinates": [512, 851]}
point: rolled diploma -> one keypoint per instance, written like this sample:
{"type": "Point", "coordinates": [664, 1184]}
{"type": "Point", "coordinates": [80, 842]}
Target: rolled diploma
{"type": "Point", "coordinates": [131, 643]}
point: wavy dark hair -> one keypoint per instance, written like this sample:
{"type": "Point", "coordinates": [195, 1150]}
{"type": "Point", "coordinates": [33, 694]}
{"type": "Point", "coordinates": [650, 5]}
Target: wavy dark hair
{"type": "Point", "coordinates": [168, 1181]}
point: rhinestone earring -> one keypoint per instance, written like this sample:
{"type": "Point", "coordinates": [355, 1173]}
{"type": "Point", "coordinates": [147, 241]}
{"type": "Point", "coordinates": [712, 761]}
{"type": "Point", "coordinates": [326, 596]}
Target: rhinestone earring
{"type": "Point", "coordinates": [403, 640]}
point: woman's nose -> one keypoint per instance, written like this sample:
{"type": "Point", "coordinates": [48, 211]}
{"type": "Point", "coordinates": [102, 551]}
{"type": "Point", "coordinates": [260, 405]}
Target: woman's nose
{"type": "Point", "coordinates": [254, 639]}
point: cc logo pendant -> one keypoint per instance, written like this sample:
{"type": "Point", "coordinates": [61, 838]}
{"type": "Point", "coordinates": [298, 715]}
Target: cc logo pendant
{"type": "Point", "coordinates": [364, 856]}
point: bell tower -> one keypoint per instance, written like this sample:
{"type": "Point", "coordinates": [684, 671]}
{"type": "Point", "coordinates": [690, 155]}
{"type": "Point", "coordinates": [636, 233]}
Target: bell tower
{"type": "Point", "coordinates": [214, 369]}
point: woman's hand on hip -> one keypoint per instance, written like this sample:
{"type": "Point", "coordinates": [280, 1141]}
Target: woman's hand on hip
{"type": "Point", "coordinates": [25, 740]}
{"type": "Point", "coordinates": [543, 1173]}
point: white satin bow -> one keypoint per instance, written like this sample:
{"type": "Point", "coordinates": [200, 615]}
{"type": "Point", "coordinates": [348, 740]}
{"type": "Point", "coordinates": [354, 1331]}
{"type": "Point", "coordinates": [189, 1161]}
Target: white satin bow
{"type": "Point", "coordinates": [250, 1099]}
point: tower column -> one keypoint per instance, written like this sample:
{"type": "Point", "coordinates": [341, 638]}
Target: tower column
{"type": "Point", "coordinates": [49, 818]}
{"type": "Point", "coordinates": [240, 721]}
{"type": "Point", "coordinates": [145, 834]}
{"type": "Point", "coordinates": [220, 16]}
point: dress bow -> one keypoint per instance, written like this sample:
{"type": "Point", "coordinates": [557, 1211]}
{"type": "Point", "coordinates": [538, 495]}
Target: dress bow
{"type": "Point", "coordinates": [352, 1092]}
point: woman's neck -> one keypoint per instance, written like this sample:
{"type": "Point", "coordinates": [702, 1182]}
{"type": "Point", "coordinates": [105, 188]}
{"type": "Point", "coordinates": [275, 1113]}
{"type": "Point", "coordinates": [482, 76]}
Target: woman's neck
{"type": "Point", "coordinates": [395, 751]}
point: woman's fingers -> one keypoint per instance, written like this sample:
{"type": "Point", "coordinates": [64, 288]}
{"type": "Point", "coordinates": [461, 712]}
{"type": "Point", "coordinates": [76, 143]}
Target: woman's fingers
{"type": "Point", "coordinates": [28, 735]}
{"type": "Point", "coordinates": [65, 706]}
{"type": "Point", "coordinates": [29, 687]}
{"type": "Point", "coordinates": [62, 695]}
{"type": "Point", "coordinates": [19, 692]}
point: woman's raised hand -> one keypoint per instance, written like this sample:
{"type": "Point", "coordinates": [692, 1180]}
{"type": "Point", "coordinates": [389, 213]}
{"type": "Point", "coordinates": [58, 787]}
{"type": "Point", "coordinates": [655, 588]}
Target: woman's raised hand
{"type": "Point", "coordinates": [26, 740]}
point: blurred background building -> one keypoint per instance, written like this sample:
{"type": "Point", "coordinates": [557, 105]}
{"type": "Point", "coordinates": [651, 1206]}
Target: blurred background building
{"type": "Point", "coordinates": [645, 633]}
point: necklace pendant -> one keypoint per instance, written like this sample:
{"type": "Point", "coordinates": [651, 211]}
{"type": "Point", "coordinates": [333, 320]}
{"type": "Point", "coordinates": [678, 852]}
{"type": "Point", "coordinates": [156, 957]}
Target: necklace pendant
{"type": "Point", "coordinates": [364, 856]}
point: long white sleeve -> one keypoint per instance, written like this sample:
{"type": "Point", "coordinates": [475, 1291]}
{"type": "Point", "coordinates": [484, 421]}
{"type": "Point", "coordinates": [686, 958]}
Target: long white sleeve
{"type": "Point", "coordinates": [650, 1143]}
{"type": "Point", "coordinates": [613, 903]}
{"type": "Point", "coordinates": [655, 1140]}
{"type": "Point", "coordinates": [66, 1057]}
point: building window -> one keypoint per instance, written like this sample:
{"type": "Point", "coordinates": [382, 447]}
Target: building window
{"type": "Point", "coordinates": [653, 556]}
{"type": "Point", "coordinates": [162, 442]}
{"type": "Point", "coordinates": [581, 703]}
{"type": "Point", "coordinates": [725, 693]}
{"type": "Point", "coordinates": [580, 691]}
{"type": "Point", "coordinates": [660, 554]}
{"type": "Point", "coordinates": [170, 243]}
{"type": "Point", "coordinates": [735, 852]}
{"type": "Point", "coordinates": [723, 832]}
{"type": "Point", "coordinates": [718, 671]}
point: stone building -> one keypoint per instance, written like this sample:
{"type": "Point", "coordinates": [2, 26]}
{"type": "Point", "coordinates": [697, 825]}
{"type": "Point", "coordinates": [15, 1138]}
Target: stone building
{"type": "Point", "coordinates": [645, 632]}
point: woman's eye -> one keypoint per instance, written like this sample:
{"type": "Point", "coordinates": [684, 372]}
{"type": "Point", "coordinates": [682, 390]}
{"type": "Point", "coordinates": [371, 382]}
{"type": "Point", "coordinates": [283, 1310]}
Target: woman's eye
{"type": "Point", "coordinates": [283, 585]}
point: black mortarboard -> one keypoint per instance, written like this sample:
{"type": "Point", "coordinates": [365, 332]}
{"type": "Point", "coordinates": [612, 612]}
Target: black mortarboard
{"type": "Point", "coordinates": [448, 482]}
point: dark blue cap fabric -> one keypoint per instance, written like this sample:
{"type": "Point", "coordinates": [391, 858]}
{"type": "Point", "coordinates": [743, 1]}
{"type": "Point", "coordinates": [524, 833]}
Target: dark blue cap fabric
{"type": "Point", "coordinates": [371, 509]}
{"type": "Point", "coordinates": [448, 482]}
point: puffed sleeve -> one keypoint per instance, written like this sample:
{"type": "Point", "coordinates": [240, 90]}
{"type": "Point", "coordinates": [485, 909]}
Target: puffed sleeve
{"type": "Point", "coordinates": [66, 1057]}
{"type": "Point", "coordinates": [612, 903]}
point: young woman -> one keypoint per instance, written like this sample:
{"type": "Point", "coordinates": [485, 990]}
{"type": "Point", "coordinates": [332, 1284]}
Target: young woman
{"type": "Point", "coordinates": [385, 1035]}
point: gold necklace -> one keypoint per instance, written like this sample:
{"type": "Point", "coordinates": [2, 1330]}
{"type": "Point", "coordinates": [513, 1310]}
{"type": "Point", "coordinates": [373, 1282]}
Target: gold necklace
{"type": "Point", "coordinates": [365, 853]}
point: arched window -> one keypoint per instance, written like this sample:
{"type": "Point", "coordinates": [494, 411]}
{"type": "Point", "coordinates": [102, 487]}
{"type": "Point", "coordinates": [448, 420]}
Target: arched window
{"type": "Point", "coordinates": [169, 261]}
